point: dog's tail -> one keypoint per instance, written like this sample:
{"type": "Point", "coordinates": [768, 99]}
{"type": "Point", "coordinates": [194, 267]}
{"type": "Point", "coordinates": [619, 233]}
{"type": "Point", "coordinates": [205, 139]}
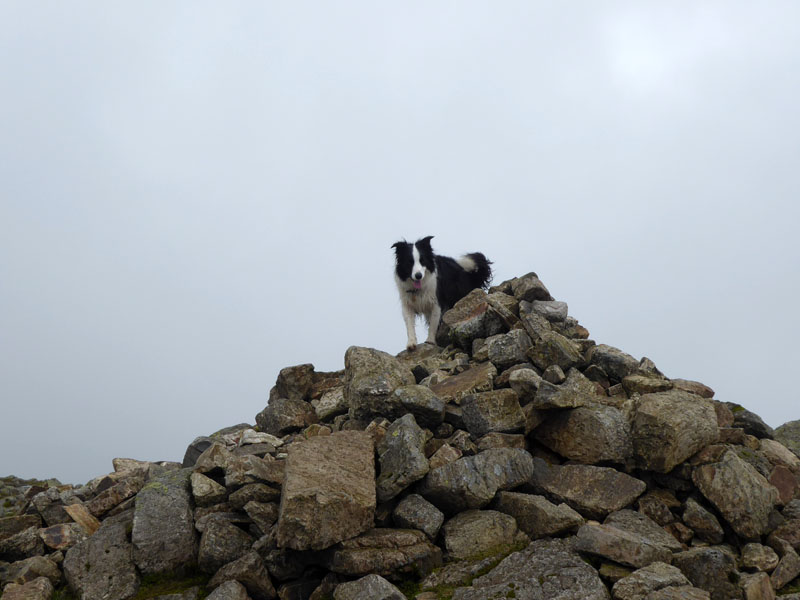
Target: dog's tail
{"type": "Point", "coordinates": [479, 268]}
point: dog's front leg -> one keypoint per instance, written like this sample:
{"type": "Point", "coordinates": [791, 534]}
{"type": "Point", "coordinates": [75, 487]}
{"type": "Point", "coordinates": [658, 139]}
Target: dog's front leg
{"type": "Point", "coordinates": [433, 325]}
{"type": "Point", "coordinates": [409, 317]}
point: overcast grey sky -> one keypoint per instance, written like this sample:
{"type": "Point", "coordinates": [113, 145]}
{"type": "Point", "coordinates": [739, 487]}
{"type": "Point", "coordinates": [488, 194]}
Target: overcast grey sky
{"type": "Point", "coordinates": [194, 195]}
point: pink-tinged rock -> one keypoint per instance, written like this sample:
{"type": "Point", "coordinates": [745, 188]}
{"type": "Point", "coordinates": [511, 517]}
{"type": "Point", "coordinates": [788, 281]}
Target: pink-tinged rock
{"type": "Point", "coordinates": [328, 492]}
{"type": "Point", "coordinates": [785, 482]}
{"type": "Point", "coordinates": [81, 515]}
{"type": "Point", "coordinates": [38, 589]}
{"type": "Point", "coordinates": [61, 537]}
{"type": "Point", "coordinates": [693, 387]}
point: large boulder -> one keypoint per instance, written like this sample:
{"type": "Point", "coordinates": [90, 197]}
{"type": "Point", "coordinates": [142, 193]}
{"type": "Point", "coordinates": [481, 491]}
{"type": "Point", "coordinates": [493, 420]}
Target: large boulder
{"type": "Point", "coordinates": [402, 459]}
{"type": "Point", "coordinates": [472, 481]}
{"type": "Point", "coordinates": [592, 491]}
{"type": "Point", "coordinates": [546, 569]}
{"type": "Point", "coordinates": [742, 495]}
{"type": "Point", "coordinates": [589, 434]}
{"type": "Point", "coordinates": [616, 363]}
{"type": "Point", "coordinates": [555, 349]}
{"type": "Point", "coordinates": [470, 318]}
{"type": "Point", "coordinates": [370, 378]}
{"type": "Point", "coordinates": [328, 492]}
{"type": "Point", "coordinates": [101, 566]}
{"type": "Point", "coordinates": [164, 539]}
{"type": "Point", "coordinates": [669, 427]}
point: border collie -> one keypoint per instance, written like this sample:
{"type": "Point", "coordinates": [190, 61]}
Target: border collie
{"type": "Point", "coordinates": [430, 284]}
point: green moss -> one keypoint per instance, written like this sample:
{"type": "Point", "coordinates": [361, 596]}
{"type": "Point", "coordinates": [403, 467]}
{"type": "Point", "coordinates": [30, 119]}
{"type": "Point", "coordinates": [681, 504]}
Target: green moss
{"type": "Point", "coordinates": [793, 587]}
{"type": "Point", "coordinates": [159, 585]}
{"type": "Point", "coordinates": [64, 593]}
{"type": "Point", "coordinates": [737, 409]}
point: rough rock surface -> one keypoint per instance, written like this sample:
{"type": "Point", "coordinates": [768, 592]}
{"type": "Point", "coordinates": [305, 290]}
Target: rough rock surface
{"type": "Point", "coordinates": [371, 377]}
{"type": "Point", "coordinates": [329, 491]}
{"type": "Point", "coordinates": [536, 516]}
{"type": "Point", "coordinates": [369, 587]}
{"type": "Point", "coordinates": [401, 454]}
{"type": "Point", "coordinates": [477, 532]}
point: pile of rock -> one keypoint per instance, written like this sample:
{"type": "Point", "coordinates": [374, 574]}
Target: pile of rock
{"type": "Point", "coordinates": [519, 459]}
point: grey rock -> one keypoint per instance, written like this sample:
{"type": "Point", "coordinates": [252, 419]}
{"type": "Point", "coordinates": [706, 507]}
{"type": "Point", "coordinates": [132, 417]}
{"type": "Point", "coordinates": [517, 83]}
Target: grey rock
{"type": "Point", "coordinates": [295, 382]}
{"type": "Point", "coordinates": [476, 532]}
{"type": "Point", "coordinates": [759, 557]}
{"type": "Point", "coordinates": [101, 566]}
{"type": "Point", "coordinates": [15, 524]}
{"type": "Point", "coordinates": [495, 411]}
{"type": "Point", "coordinates": [420, 401]}
{"type": "Point", "coordinates": [640, 583]}
{"type": "Point", "coordinates": [206, 491]}
{"type": "Point", "coordinates": [472, 481]}
{"type": "Point", "coordinates": [576, 391]}
{"type": "Point", "coordinates": [589, 434]}
{"type": "Point", "coordinates": [370, 587]}
{"type": "Point", "coordinates": [249, 570]}
{"type": "Point", "coordinates": [329, 491]}
{"type": "Point", "coordinates": [30, 569]}
{"type": "Point", "coordinates": [195, 449]}
{"type": "Point", "coordinates": [685, 592]}
{"type": "Point", "coordinates": [545, 570]}
{"type": "Point", "coordinates": [756, 586]}
{"type": "Point", "coordinates": [254, 492]}
{"type": "Point", "coordinates": [616, 363]}
{"type": "Point", "coordinates": [62, 537]}
{"type": "Point", "coordinates": [25, 544]}
{"type": "Point", "coordinates": [458, 573]}
{"type": "Point", "coordinates": [743, 497]}
{"type": "Point", "coordinates": [230, 590]}
{"type": "Point", "coordinates": [554, 374]}
{"type": "Point", "coordinates": [331, 404]}
{"type": "Point", "coordinates": [264, 515]}
{"type": "Point", "coordinates": [414, 512]}
{"type": "Point", "coordinates": [112, 497]}
{"type": "Point", "coordinates": [750, 422]}
{"type": "Point", "coordinates": [402, 459]}
{"type": "Point", "coordinates": [244, 470]}
{"type": "Point", "coordinates": [635, 522]}
{"type": "Point", "coordinates": [222, 542]}
{"type": "Point", "coordinates": [529, 288]}
{"type": "Point", "coordinates": [285, 415]}
{"type": "Point", "coordinates": [526, 383]}
{"type": "Point", "coordinates": [555, 349]}
{"type": "Point", "coordinates": [552, 310]}
{"type": "Point", "coordinates": [669, 427]}
{"type": "Point", "coordinates": [788, 434]}
{"type": "Point", "coordinates": [592, 491]}
{"type": "Point", "coordinates": [501, 440]}
{"type": "Point", "coordinates": [508, 349]}
{"type": "Point", "coordinates": [646, 384]}
{"type": "Point", "coordinates": [163, 536]}
{"type": "Point", "coordinates": [371, 377]}
{"type": "Point", "coordinates": [391, 553]}
{"type": "Point", "coordinates": [694, 387]}
{"type": "Point", "coordinates": [621, 546]}
{"type": "Point", "coordinates": [478, 378]}
{"type": "Point", "coordinates": [704, 524]}
{"type": "Point", "coordinates": [39, 589]}
{"type": "Point", "coordinates": [536, 516]}
{"type": "Point", "coordinates": [712, 569]}
{"type": "Point", "coordinates": [788, 568]}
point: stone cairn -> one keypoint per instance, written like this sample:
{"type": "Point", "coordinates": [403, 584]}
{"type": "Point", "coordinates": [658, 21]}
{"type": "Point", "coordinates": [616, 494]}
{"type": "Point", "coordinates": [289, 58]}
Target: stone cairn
{"type": "Point", "coordinates": [519, 459]}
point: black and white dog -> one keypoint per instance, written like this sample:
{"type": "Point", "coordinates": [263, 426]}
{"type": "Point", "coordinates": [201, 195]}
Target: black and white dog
{"type": "Point", "coordinates": [429, 284]}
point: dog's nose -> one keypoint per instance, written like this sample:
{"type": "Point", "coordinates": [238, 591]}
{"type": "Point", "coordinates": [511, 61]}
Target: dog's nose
{"type": "Point", "coordinates": [417, 276]}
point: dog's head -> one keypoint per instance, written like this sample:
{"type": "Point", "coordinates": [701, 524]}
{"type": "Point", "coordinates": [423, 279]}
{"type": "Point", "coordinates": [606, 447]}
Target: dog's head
{"type": "Point", "coordinates": [414, 261]}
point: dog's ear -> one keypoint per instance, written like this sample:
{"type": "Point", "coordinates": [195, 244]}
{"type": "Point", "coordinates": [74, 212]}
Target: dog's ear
{"type": "Point", "coordinates": [397, 245]}
{"type": "Point", "coordinates": [426, 241]}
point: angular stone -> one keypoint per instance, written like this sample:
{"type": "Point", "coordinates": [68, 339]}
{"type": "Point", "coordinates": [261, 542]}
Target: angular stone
{"type": "Point", "coordinates": [371, 377]}
{"type": "Point", "coordinates": [495, 411]}
{"type": "Point", "coordinates": [640, 583]}
{"type": "Point", "coordinates": [620, 546]}
{"type": "Point", "coordinates": [230, 590]}
{"type": "Point", "coordinates": [508, 349]}
{"type": "Point", "coordinates": [22, 545]}
{"type": "Point", "coordinates": [641, 525]}
{"type": "Point", "coordinates": [258, 492]}
{"type": "Point", "coordinates": [684, 592]}
{"type": "Point", "coordinates": [789, 531]}
{"type": "Point", "coordinates": [536, 516]}
{"type": "Point", "coordinates": [390, 553]}
{"type": "Point", "coordinates": [669, 427]}
{"type": "Point", "coordinates": [249, 469]}
{"type": "Point", "coordinates": [501, 440]}
{"type": "Point", "coordinates": [704, 524]}
{"type": "Point", "coordinates": [329, 491]}
{"type": "Point", "coordinates": [529, 288]}
{"type": "Point", "coordinates": [526, 383]}
{"type": "Point", "coordinates": [788, 568]}
{"type": "Point", "coordinates": [552, 310]}
{"type": "Point", "coordinates": [750, 422]}
{"type": "Point", "coordinates": [13, 525]}
{"type": "Point", "coordinates": [711, 569]}
{"type": "Point", "coordinates": [30, 569]}
{"type": "Point", "coordinates": [444, 455]}
{"type": "Point", "coordinates": [546, 569]}
{"type": "Point", "coordinates": [555, 349]}
{"type": "Point", "coordinates": [61, 537]}
{"type": "Point", "coordinates": [656, 504]}
{"type": "Point", "coordinates": [222, 542]}
{"type": "Point", "coordinates": [81, 515]}
{"type": "Point", "coordinates": [477, 532]}
{"type": "Point", "coordinates": [788, 434]}
{"type": "Point", "coordinates": [693, 387]}
{"type": "Point", "coordinates": [264, 515]}
{"type": "Point", "coordinates": [472, 481]}
{"type": "Point", "coordinates": [101, 567]}
{"type": "Point", "coordinates": [589, 434]}
{"type": "Point", "coordinates": [50, 506]}
{"type": "Point", "coordinates": [401, 454]}
{"type": "Point", "coordinates": [616, 363]}
{"type": "Point", "coordinates": [284, 415]}
{"type": "Point", "coordinates": [195, 449]}
{"type": "Point", "coordinates": [743, 497]}
{"type": "Point", "coordinates": [756, 586]}
{"type": "Point", "coordinates": [370, 587]}
{"type": "Point", "coordinates": [331, 404]}
{"type": "Point", "coordinates": [576, 391]}
{"type": "Point", "coordinates": [470, 318]}
{"type": "Point", "coordinates": [206, 491]}
{"type": "Point", "coordinates": [476, 379]}
{"type": "Point", "coordinates": [295, 382]}
{"type": "Point", "coordinates": [420, 401]}
{"type": "Point", "coordinates": [38, 589]}
{"type": "Point", "coordinates": [645, 384]}
{"type": "Point", "coordinates": [761, 558]}
{"type": "Point", "coordinates": [414, 512]}
{"type": "Point", "coordinates": [249, 570]}
{"type": "Point", "coordinates": [592, 491]}
{"type": "Point", "coordinates": [163, 537]}
{"type": "Point", "coordinates": [455, 574]}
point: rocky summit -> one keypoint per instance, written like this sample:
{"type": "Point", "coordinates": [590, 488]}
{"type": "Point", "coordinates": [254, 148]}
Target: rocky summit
{"type": "Point", "coordinates": [516, 459]}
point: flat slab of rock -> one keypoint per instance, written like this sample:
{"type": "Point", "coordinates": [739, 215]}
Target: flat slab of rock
{"type": "Point", "coordinates": [620, 546]}
{"type": "Point", "coordinates": [742, 495]}
{"type": "Point", "coordinates": [476, 379]}
{"type": "Point", "coordinates": [545, 570]}
{"type": "Point", "coordinates": [653, 577]}
{"type": "Point", "coordinates": [328, 491]}
{"type": "Point", "coordinates": [164, 538]}
{"type": "Point", "coordinates": [592, 491]}
{"type": "Point", "coordinates": [577, 390]}
{"type": "Point", "coordinates": [669, 427]}
{"type": "Point", "coordinates": [472, 481]}
{"type": "Point", "coordinates": [536, 516]}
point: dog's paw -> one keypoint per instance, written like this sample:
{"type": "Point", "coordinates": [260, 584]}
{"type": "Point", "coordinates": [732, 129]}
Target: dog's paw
{"type": "Point", "coordinates": [411, 347]}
